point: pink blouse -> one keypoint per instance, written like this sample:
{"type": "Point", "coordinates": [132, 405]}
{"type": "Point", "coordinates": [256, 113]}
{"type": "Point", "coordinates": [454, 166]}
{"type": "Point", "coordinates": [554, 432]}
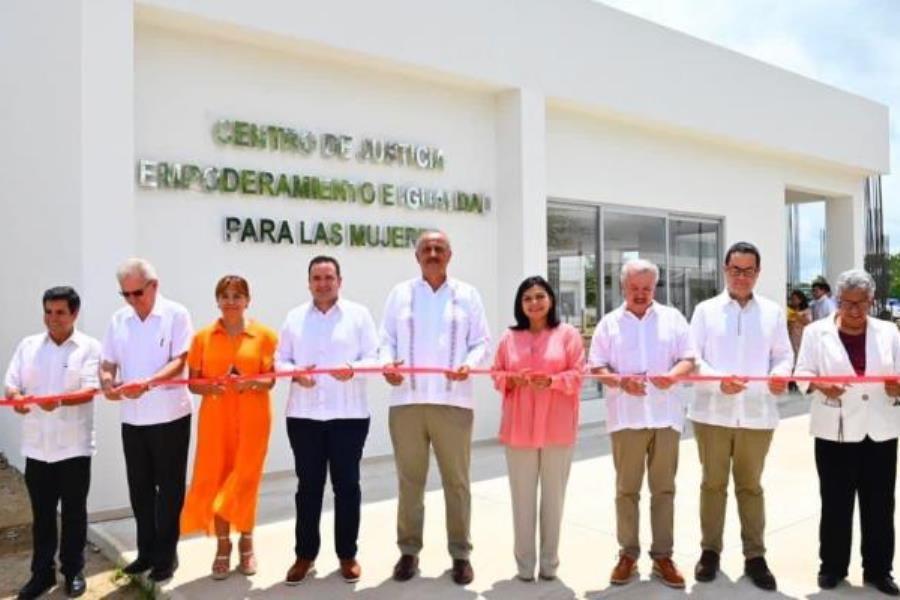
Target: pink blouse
{"type": "Point", "coordinates": [536, 418]}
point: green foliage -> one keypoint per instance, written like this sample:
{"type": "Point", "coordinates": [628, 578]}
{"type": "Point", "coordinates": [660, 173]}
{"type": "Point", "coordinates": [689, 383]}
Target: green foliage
{"type": "Point", "coordinates": [894, 275]}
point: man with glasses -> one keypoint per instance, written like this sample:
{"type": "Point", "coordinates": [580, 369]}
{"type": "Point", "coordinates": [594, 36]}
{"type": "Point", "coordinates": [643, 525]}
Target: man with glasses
{"type": "Point", "coordinates": [146, 344]}
{"type": "Point", "coordinates": [737, 334]}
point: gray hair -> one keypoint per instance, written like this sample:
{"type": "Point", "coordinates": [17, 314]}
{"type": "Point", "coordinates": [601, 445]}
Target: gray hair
{"type": "Point", "coordinates": [854, 279]}
{"type": "Point", "coordinates": [137, 266]}
{"type": "Point", "coordinates": [637, 266]}
{"type": "Point", "coordinates": [426, 232]}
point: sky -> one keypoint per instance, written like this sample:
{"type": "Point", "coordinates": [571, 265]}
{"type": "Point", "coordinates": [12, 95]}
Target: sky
{"type": "Point", "coordinates": [850, 44]}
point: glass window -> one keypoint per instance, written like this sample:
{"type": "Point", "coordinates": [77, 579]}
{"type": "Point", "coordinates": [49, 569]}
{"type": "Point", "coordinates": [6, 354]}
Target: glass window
{"type": "Point", "coordinates": [687, 251]}
{"type": "Point", "coordinates": [627, 236]}
{"type": "Point", "coordinates": [572, 269]}
{"type": "Point", "coordinates": [573, 239]}
{"type": "Point", "coordinates": [693, 262]}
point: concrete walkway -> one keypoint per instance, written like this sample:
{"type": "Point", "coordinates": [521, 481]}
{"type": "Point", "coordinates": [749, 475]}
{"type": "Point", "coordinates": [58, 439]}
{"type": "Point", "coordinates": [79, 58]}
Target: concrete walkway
{"type": "Point", "coordinates": [588, 549]}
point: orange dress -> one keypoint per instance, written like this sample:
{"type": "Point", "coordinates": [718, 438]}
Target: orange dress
{"type": "Point", "coordinates": [232, 431]}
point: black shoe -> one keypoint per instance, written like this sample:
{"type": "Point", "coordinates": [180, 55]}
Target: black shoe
{"type": "Point", "coordinates": [884, 584]}
{"type": "Point", "coordinates": [707, 566]}
{"type": "Point", "coordinates": [160, 574]}
{"type": "Point", "coordinates": [37, 585]}
{"type": "Point", "coordinates": [75, 586]}
{"type": "Point", "coordinates": [758, 572]}
{"type": "Point", "coordinates": [827, 581]}
{"type": "Point", "coordinates": [138, 566]}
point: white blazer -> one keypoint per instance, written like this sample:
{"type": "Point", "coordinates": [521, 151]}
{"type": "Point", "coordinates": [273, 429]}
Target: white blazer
{"type": "Point", "coordinates": [865, 408]}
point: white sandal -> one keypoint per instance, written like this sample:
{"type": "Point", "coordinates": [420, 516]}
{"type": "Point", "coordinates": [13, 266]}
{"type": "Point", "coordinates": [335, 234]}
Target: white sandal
{"type": "Point", "coordinates": [222, 560]}
{"type": "Point", "coordinates": [247, 564]}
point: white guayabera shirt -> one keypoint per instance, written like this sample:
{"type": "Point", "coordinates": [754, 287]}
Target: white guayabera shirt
{"type": "Point", "coordinates": [40, 367]}
{"type": "Point", "coordinates": [443, 328]}
{"type": "Point", "coordinates": [345, 335]}
{"type": "Point", "coordinates": [731, 340]}
{"type": "Point", "coordinates": [651, 345]}
{"type": "Point", "coordinates": [140, 349]}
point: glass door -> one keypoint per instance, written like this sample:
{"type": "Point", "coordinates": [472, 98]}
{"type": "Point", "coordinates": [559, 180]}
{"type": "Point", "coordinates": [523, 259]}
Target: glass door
{"type": "Point", "coordinates": [694, 266]}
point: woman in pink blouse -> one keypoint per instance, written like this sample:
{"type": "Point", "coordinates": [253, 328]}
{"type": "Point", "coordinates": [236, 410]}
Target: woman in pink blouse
{"type": "Point", "coordinates": [542, 362]}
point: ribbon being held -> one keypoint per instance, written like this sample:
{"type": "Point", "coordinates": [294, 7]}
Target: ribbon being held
{"type": "Point", "coordinates": [401, 370]}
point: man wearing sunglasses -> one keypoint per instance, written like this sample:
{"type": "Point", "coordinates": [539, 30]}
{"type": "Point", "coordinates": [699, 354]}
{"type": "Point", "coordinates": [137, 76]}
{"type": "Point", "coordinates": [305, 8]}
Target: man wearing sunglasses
{"type": "Point", "coordinates": [146, 344]}
{"type": "Point", "coordinates": [737, 334]}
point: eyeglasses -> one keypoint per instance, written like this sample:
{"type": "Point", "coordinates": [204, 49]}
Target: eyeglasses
{"type": "Point", "coordinates": [134, 293]}
{"type": "Point", "coordinates": [862, 306]}
{"type": "Point", "coordinates": [739, 272]}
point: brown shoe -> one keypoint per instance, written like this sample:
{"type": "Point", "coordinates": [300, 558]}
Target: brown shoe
{"type": "Point", "coordinates": [624, 570]}
{"type": "Point", "coordinates": [350, 570]}
{"type": "Point", "coordinates": [300, 571]}
{"type": "Point", "coordinates": [462, 571]}
{"type": "Point", "coordinates": [406, 567]}
{"type": "Point", "coordinates": [667, 572]}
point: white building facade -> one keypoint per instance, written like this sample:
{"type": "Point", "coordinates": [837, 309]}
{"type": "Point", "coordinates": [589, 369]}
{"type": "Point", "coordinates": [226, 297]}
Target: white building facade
{"type": "Point", "coordinates": [562, 138]}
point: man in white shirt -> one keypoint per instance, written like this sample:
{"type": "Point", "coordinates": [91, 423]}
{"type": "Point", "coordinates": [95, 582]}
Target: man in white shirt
{"type": "Point", "coordinates": [822, 304]}
{"type": "Point", "coordinates": [737, 333]}
{"type": "Point", "coordinates": [57, 438]}
{"type": "Point", "coordinates": [145, 344]}
{"type": "Point", "coordinates": [439, 322]}
{"type": "Point", "coordinates": [643, 338]}
{"type": "Point", "coordinates": [327, 415]}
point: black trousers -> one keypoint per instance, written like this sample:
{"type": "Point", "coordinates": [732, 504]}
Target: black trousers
{"type": "Point", "coordinates": [156, 465]}
{"type": "Point", "coordinates": [849, 470]}
{"type": "Point", "coordinates": [335, 447]}
{"type": "Point", "coordinates": [66, 483]}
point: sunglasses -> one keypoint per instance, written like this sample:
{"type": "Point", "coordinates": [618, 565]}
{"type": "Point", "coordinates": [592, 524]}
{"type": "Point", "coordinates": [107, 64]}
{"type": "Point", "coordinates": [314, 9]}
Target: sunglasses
{"type": "Point", "coordinates": [134, 293]}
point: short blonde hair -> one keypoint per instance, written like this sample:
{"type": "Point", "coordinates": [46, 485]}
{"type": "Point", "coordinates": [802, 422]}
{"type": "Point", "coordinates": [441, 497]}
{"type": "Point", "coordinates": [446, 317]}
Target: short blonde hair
{"type": "Point", "coordinates": [137, 266]}
{"type": "Point", "coordinates": [636, 266]}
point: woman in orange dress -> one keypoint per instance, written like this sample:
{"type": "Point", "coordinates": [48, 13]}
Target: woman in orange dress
{"type": "Point", "coordinates": [233, 428]}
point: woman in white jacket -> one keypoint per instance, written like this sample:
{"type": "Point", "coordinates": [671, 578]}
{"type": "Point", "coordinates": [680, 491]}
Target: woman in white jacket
{"type": "Point", "coordinates": [856, 428]}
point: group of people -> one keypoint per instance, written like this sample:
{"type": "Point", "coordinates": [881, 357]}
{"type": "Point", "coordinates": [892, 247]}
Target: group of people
{"type": "Point", "coordinates": [433, 333]}
{"type": "Point", "coordinates": [801, 311]}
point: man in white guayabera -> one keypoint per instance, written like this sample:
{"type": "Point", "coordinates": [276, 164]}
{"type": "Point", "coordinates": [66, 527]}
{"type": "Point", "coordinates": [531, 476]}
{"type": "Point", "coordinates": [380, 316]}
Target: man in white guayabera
{"type": "Point", "coordinates": [433, 321]}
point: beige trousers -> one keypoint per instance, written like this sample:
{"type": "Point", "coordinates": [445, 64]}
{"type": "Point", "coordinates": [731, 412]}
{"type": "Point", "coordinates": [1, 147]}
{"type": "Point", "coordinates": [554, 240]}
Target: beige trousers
{"type": "Point", "coordinates": [743, 453]}
{"type": "Point", "coordinates": [448, 429]}
{"type": "Point", "coordinates": [658, 450]}
{"type": "Point", "coordinates": [530, 469]}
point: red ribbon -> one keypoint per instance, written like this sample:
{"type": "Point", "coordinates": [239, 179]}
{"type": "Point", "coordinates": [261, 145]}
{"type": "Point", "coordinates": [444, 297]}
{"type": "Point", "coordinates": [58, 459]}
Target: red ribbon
{"type": "Point", "coordinates": [834, 379]}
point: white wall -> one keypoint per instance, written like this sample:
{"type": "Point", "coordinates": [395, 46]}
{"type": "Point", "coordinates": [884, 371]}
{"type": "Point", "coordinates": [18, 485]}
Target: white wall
{"type": "Point", "coordinates": [67, 190]}
{"type": "Point", "coordinates": [579, 51]}
{"type": "Point", "coordinates": [608, 162]}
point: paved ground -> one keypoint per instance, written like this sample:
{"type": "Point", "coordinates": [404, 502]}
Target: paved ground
{"type": "Point", "coordinates": [587, 552]}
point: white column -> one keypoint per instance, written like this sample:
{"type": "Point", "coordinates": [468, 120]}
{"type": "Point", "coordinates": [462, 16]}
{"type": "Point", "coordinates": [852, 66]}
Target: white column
{"type": "Point", "coordinates": [521, 202]}
{"type": "Point", "coordinates": [67, 173]}
{"type": "Point", "coordinates": [40, 66]}
{"type": "Point", "coordinates": [845, 241]}
{"type": "Point", "coordinates": [108, 225]}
